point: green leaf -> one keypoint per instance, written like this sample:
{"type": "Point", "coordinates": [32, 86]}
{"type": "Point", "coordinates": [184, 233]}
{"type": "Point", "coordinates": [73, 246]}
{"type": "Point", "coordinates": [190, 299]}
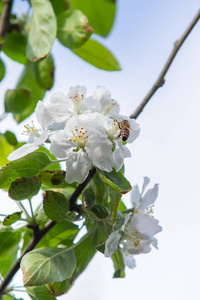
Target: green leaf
{"type": "Point", "coordinates": [60, 6]}
{"type": "Point", "coordinates": [119, 220]}
{"type": "Point", "coordinates": [98, 55]}
{"type": "Point", "coordinates": [24, 188]}
{"type": "Point", "coordinates": [114, 199]}
{"type": "Point", "coordinates": [60, 288]}
{"type": "Point", "coordinates": [101, 248]}
{"type": "Point", "coordinates": [73, 28]}
{"type": "Point", "coordinates": [9, 239]}
{"type": "Point", "coordinates": [42, 30]}
{"type": "Point", "coordinates": [10, 219]}
{"type": "Point", "coordinates": [28, 165]}
{"type": "Point", "coordinates": [28, 82]}
{"type": "Point", "coordinates": [85, 250]}
{"type": "Point", "coordinates": [100, 13]}
{"type": "Point", "coordinates": [18, 101]}
{"type": "Point", "coordinates": [119, 266]}
{"type": "Point", "coordinates": [47, 265]}
{"type": "Point", "coordinates": [6, 149]}
{"type": "Point", "coordinates": [43, 72]}
{"type": "Point", "coordinates": [11, 138]}
{"type": "Point", "coordinates": [15, 47]}
{"type": "Point", "coordinates": [7, 261]}
{"type": "Point", "coordinates": [40, 293]}
{"type": "Point", "coordinates": [99, 210]}
{"type": "Point", "coordinates": [115, 180]}
{"type": "Point", "coordinates": [53, 179]}
{"type": "Point", "coordinates": [2, 70]}
{"type": "Point", "coordinates": [63, 233]}
{"type": "Point", "coordinates": [56, 206]}
{"type": "Point", "coordinates": [53, 167]}
{"type": "Point", "coordinates": [93, 210]}
{"type": "Point", "coordinates": [89, 197]}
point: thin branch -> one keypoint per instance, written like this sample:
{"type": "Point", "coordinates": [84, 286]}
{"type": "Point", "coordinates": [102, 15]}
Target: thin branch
{"type": "Point", "coordinates": [5, 19]}
{"type": "Point", "coordinates": [161, 78]}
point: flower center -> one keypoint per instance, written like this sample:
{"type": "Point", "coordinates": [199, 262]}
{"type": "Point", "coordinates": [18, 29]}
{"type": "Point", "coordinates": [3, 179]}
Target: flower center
{"type": "Point", "coordinates": [77, 99]}
{"type": "Point", "coordinates": [114, 131]}
{"type": "Point", "coordinates": [108, 107]}
{"type": "Point", "coordinates": [80, 137]}
{"type": "Point", "coordinates": [30, 129]}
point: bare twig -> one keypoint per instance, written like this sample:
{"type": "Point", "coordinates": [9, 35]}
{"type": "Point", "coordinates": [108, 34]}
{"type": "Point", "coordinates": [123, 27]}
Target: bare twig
{"type": "Point", "coordinates": [161, 80]}
{"type": "Point", "coordinates": [5, 19]}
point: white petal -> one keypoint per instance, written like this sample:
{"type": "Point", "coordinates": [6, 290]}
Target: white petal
{"type": "Point", "coordinates": [145, 183]}
{"type": "Point", "coordinates": [134, 130]}
{"type": "Point", "coordinates": [78, 166]}
{"type": "Point", "coordinates": [129, 260]}
{"type": "Point", "coordinates": [43, 115]}
{"type": "Point", "coordinates": [60, 145]}
{"type": "Point", "coordinates": [149, 198]}
{"type": "Point", "coordinates": [112, 243]}
{"type": "Point", "coordinates": [22, 151]}
{"type": "Point", "coordinates": [144, 224]}
{"type": "Point", "coordinates": [135, 196]}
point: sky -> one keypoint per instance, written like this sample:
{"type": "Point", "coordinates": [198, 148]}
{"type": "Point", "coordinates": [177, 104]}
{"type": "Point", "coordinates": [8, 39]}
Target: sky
{"type": "Point", "coordinates": [167, 149]}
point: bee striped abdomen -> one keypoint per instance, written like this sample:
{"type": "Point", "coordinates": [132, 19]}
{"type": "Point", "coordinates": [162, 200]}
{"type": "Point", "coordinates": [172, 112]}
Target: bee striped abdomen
{"type": "Point", "coordinates": [125, 129]}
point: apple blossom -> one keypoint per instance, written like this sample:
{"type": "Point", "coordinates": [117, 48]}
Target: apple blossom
{"type": "Point", "coordinates": [136, 235]}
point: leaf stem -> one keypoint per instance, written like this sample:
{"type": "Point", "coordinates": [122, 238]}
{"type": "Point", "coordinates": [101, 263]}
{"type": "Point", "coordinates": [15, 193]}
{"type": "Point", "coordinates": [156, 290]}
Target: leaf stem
{"type": "Point", "coordinates": [161, 78]}
{"type": "Point", "coordinates": [24, 211]}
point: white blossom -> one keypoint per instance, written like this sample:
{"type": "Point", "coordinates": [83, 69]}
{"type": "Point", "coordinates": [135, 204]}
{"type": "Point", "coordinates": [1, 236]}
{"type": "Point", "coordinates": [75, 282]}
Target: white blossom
{"type": "Point", "coordinates": [136, 235]}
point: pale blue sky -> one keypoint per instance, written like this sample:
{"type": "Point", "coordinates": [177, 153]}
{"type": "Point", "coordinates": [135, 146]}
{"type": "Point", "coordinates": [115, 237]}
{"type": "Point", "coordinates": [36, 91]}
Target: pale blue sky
{"type": "Point", "coordinates": [167, 149]}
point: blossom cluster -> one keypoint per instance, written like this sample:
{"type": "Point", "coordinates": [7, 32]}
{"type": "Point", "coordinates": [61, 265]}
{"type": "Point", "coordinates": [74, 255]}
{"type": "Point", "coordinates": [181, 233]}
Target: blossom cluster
{"type": "Point", "coordinates": [137, 233]}
{"type": "Point", "coordinates": [82, 130]}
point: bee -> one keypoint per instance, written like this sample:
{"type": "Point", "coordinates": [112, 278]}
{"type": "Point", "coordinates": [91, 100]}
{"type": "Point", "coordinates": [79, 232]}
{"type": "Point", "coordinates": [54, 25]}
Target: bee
{"type": "Point", "coordinates": [125, 128]}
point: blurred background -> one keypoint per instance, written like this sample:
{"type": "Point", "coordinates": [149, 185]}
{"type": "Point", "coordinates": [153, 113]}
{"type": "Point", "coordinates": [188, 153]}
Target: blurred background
{"type": "Point", "coordinates": [167, 150]}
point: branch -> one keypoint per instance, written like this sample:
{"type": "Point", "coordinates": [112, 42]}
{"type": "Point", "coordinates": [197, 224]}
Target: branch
{"type": "Point", "coordinates": [161, 80]}
{"type": "Point", "coordinates": [5, 19]}
{"type": "Point", "coordinates": [39, 234]}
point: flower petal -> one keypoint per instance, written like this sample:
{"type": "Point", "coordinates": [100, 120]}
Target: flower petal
{"type": "Point", "coordinates": [78, 166]}
{"type": "Point", "coordinates": [135, 196]}
{"type": "Point", "coordinates": [22, 151]}
{"type": "Point", "coordinates": [128, 260]}
{"type": "Point", "coordinates": [149, 198]}
{"type": "Point", "coordinates": [112, 243]}
{"type": "Point", "coordinates": [43, 115]}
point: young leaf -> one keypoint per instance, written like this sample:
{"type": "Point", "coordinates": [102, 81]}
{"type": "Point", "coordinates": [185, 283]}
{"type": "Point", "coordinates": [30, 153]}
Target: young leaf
{"type": "Point", "coordinates": [24, 188]}
{"type": "Point", "coordinates": [28, 165]}
{"type": "Point", "coordinates": [27, 81]}
{"type": "Point", "coordinates": [56, 206]}
{"type": "Point", "coordinates": [98, 55]}
{"type": "Point", "coordinates": [42, 30]}
{"type": "Point", "coordinates": [17, 101]}
{"type": "Point", "coordinates": [52, 179]}
{"type": "Point", "coordinates": [100, 14]}
{"type": "Point", "coordinates": [115, 180]}
{"type": "Point", "coordinates": [15, 47]}
{"type": "Point", "coordinates": [47, 265]}
{"type": "Point", "coordinates": [7, 261]}
{"type": "Point", "coordinates": [43, 72]}
{"type": "Point", "coordinates": [2, 70]}
{"type": "Point", "coordinates": [9, 239]}
{"type": "Point", "coordinates": [10, 219]}
{"type": "Point", "coordinates": [63, 233]}
{"type": "Point", "coordinates": [60, 288]}
{"type": "Point", "coordinates": [6, 148]}
{"type": "Point", "coordinates": [60, 6]}
{"type": "Point", "coordinates": [73, 28]}
{"type": "Point", "coordinates": [93, 210]}
{"type": "Point", "coordinates": [40, 292]}
{"type": "Point", "coordinates": [114, 200]}
{"type": "Point", "coordinates": [11, 138]}
{"type": "Point", "coordinates": [119, 266]}
{"type": "Point", "coordinates": [85, 250]}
